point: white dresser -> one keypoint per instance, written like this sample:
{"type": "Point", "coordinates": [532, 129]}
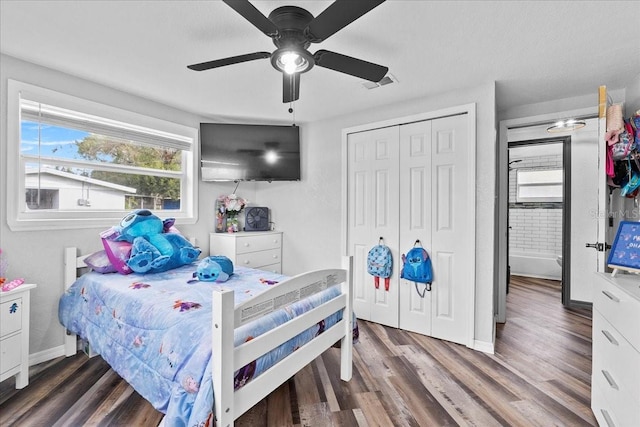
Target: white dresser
{"type": "Point", "coordinates": [256, 249]}
{"type": "Point", "coordinates": [615, 377]}
{"type": "Point", "coordinates": [14, 334]}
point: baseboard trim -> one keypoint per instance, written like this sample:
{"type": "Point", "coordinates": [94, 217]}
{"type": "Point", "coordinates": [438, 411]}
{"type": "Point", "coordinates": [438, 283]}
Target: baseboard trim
{"type": "Point", "coordinates": [46, 355]}
{"type": "Point", "coordinates": [484, 346]}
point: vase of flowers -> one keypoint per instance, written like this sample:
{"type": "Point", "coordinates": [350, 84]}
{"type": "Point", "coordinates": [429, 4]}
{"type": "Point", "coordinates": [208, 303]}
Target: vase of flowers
{"type": "Point", "coordinates": [228, 209]}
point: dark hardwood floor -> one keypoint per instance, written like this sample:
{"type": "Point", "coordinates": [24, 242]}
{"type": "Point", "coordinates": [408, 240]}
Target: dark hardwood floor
{"type": "Point", "coordinates": [540, 375]}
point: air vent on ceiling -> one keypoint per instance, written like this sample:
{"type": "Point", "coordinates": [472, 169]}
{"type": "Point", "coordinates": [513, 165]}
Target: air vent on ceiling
{"type": "Point", "coordinates": [388, 79]}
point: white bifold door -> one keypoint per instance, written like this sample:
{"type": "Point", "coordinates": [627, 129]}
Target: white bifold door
{"type": "Point", "coordinates": [407, 183]}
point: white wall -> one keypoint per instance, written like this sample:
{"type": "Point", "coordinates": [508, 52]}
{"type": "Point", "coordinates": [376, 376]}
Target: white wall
{"type": "Point", "coordinates": [309, 212]}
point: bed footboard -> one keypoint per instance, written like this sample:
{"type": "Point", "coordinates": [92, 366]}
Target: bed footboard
{"type": "Point", "coordinates": [229, 405]}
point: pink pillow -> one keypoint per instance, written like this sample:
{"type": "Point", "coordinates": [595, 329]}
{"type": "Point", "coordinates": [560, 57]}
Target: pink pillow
{"type": "Point", "coordinates": [117, 252]}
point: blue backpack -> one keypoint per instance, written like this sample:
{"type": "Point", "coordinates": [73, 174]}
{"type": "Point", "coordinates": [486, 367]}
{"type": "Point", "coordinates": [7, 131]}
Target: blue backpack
{"type": "Point", "coordinates": [380, 264]}
{"type": "Point", "coordinates": [416, 267]}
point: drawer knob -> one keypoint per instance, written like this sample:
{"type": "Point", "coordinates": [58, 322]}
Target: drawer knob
{"type": "Point", "coordinates": [246, 262]}
{"type": "Point", "coordinates": [275, 256]}
{"type": "Point", "coordinates": [246, 245]}
{"type": "Point", "coordinates": [611, 296]}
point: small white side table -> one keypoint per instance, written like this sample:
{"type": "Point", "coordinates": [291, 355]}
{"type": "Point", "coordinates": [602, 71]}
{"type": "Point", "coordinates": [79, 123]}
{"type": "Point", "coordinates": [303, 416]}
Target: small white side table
{"type": "Point", "coordinates": [14, 334]}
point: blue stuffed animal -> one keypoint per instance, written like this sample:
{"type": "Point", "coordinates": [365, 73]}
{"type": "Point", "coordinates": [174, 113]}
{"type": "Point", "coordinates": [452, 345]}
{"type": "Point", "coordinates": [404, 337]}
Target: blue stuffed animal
{"type": "Point", "coordinates": [214, 268]}
{"type": "Point", "coordinates": [152, 249]}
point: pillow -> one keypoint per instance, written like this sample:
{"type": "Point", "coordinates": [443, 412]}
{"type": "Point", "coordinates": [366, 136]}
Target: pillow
{"type": "Point", "coordinates": [118, 252]}
{"type": "Point", "coordinates": [99, 262]}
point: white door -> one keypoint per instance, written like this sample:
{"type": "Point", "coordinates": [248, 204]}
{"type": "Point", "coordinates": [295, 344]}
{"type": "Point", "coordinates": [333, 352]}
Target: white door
{"type": "Point", "coordinates": [435, 195]}
{"type": "Point", "coordinates": [585, 218]}
{"type": "Point", "coordinates": [373, 213]}
{"type": "Point", "coordinates": [416, 219]}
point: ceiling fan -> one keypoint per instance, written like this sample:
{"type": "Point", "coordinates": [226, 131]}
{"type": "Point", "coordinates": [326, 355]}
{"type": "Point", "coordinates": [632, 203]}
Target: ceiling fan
{"type": "Point", "coordinates": [293, 29]}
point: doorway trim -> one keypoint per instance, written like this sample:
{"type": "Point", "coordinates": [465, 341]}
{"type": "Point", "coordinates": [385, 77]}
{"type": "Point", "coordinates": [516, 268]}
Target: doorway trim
{"type": "Point", "coordinates": [502, 192]}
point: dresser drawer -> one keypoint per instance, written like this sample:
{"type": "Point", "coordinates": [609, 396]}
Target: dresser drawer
{"type": "Point", "coordinates": [613, 354]}
{"type": "Point", "coordinates": [10, 352]}
{"type": "Point", "coordinates": [259, 259]}
{"type": "Point", "coordinates": [10, 316]}
{"type": "Point", "coordinates": [620, 309]}
{"type": "Point", "coordinates": [272, 268]}
{"type": "Point", "coordinates": [621, 408]}
{"type": "Point", "coordinates": [253, 243]}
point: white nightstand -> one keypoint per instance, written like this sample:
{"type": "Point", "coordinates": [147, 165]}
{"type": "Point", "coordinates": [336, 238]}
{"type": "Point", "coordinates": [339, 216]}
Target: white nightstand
{"type": "Point", "coordinates": [14, 334]}
{"type": "Point", "coordinates": [255, 249]}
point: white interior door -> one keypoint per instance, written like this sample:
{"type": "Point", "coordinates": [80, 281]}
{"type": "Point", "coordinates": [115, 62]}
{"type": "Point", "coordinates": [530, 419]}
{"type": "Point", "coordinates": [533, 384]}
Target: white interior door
{"type": "Point", "coordinates": [585, 216]}
{"type": "Point", "coordinates": [443, 207]}
{"type": "Point", "coordinates": [416, 179]}
{"type": "Point", "coordinates": [373, 213]}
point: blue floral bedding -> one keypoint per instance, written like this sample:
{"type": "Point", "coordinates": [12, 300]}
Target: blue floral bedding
{"type": "Point", "coordinates": [155, 331]}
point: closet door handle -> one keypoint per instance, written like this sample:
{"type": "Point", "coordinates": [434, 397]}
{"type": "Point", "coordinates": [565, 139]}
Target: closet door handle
{"type": "Point", "coordinates": [610, 379]}
{"type": "Point", "coordinates": [611, 296]}
{"type": "Point", "coordinates": [610, 337]}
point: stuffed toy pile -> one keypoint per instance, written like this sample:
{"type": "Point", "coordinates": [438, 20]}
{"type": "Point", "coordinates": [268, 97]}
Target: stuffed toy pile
{"type": "Point", "coordinates": [152, 249]}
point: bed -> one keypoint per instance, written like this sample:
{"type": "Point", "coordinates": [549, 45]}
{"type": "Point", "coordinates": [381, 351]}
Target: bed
{"type": "Point", "coordinates": [158, 331]}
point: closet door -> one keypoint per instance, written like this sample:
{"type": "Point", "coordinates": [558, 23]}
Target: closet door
{"type": "Point", "coordinates": [373, 213]}
{"type": "Point", "coordinates": [434, 184]}
{"type": "Point", "coordinates": [415, 219]}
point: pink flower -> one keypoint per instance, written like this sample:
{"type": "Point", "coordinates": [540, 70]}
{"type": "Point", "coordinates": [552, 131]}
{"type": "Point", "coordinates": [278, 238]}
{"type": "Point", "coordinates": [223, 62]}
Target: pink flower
{"type": "Point", "coordinates": [232, 203]}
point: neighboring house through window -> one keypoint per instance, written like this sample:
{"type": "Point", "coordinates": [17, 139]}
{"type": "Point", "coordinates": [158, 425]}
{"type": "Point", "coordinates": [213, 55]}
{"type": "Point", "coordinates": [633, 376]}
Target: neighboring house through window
{"type": "Point", "coordinates": [74, 159]}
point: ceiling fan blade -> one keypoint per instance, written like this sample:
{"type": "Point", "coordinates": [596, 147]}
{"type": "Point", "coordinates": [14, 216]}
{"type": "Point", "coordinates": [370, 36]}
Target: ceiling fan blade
{"type": "Point", "coordinates": [290, 87]}
{"type": "Point", "coordinates": [337, 16]}
{"type": "Point", "coordinates": [228, 61]}
{"type": "Point", "coordinates": [253, 15]}
{"type": "Point", "coordinates": [348, 65]}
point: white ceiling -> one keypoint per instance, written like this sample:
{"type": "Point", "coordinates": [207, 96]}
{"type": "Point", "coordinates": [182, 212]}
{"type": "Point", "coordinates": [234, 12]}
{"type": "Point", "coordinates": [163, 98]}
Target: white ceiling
{"type": "Point", "coordinates": [536, 51]}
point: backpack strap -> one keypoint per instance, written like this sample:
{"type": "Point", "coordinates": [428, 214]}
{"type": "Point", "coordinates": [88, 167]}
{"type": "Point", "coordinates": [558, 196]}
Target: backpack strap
{"type": "Point", "coordinates": [427, 288]}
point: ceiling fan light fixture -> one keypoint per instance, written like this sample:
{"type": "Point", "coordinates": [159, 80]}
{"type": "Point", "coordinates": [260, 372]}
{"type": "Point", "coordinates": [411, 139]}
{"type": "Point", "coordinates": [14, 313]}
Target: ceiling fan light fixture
{"type": "Point", "coordinates": [566, 126]}
{"type": "Point", "coordinates": [292, 61]}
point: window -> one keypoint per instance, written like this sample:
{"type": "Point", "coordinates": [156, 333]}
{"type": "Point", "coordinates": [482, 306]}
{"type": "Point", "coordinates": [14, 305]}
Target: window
{"type": "Point", "coordinates": [82, 164]}
{"type": "Point", "coordinates": [539, 185]}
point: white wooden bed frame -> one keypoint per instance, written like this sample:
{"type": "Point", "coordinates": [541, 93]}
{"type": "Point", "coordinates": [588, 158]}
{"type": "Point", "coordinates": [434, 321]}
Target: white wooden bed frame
{"type": "Point", "coordinates": [230, 404]}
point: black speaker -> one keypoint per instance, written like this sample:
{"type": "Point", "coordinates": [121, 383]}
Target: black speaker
{"type": "Point", "coordinates": [256, 219]}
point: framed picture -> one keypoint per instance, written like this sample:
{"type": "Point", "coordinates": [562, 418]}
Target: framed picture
{"type": "Point", "coordinates": [625, 251]}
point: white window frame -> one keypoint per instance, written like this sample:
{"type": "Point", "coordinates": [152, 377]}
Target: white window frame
{"type": "Point", "coordinates": [537, 186]}
{"type": "Point", "coordinates": [21, 219]}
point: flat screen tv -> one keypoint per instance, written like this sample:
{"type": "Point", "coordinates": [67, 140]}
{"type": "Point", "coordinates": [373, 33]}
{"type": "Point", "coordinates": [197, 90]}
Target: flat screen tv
{"type": "Point", "coordinates": [248, 152]}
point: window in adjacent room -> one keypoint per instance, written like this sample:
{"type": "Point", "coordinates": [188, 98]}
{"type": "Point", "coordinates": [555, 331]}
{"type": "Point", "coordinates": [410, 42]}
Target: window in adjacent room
{"type": "Point", "coordinates": [78, 163]}
{"type": "Point", "coordinates": [539, 185]}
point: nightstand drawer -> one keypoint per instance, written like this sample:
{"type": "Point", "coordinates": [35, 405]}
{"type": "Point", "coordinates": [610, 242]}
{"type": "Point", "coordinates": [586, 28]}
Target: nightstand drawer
{"type": "Point", "coordinates": [258, 243]}
{"type": "Point", "coordinates": [10, 352]}
{"type": "Point", "coordinates": [259, 259]}
{"type": "Point", "coordinates": [10, 316]}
